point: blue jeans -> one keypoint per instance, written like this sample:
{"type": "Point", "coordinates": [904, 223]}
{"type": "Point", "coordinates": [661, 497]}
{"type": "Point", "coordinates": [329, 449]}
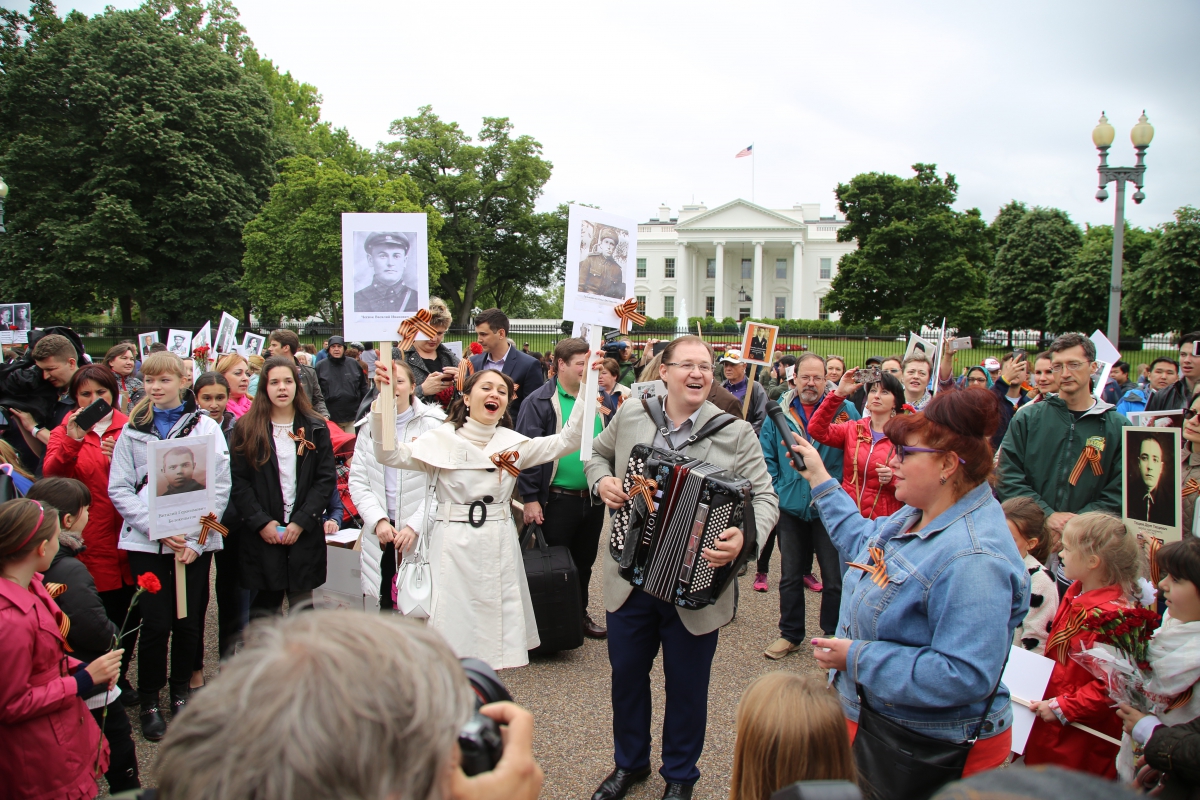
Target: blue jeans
{"type": "Point", "coordinates": [634, 635]}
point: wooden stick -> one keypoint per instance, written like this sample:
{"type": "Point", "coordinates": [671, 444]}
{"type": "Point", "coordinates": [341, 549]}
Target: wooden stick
{"type": "Point", "coordinates": [180, 589]}
{"type": "Point", "coordinates": [387, 406]}
{"type": "Point", "coordinates": [751, 376]}
{"type": "Point", "coordinates": [1023, 702]}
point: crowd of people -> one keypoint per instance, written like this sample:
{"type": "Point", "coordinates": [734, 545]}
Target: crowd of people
{"type": "Point", "coordinates": [950, 519]}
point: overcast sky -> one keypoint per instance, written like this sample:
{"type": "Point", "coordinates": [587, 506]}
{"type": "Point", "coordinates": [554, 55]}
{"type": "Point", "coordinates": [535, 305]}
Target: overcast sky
{"type": "Point", "coordinates": [638, 104]}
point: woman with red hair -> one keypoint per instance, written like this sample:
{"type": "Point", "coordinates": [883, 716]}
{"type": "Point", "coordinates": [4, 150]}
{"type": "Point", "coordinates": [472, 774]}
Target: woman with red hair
{"type": "Point", "coordinates": [930, 601]}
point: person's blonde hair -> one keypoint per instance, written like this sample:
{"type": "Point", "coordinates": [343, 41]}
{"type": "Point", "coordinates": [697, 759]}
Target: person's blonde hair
{"type": "Point", "coordinates": [1106, 537]}
{"type": "Point", "coordinates": [789, 728]}
{"type": "Point", "coordinates": [8, 455]}
{"type": "Point", "coordinates": [650, 371]}
{"type": "Point", "coordinates": [322, 704]}
{"type": "Point", "coordinates": [439, 312]}
{"type": "Point", "coordinates": [162, 363]}
{"type": "Point", "coordinates": [229, 361]}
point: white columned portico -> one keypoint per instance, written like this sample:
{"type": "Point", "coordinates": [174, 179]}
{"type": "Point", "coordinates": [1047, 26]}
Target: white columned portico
{"type": "Point", "coordinates": [757, 282]}
{"type": "Point", "coordinates": [797, 261]}
{"type": "Point", "coordinates": [719, 289]}
{"type": "Point", "coordinates": [683, 278]}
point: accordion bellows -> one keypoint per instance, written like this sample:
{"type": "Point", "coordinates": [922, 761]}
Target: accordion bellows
{"type": "Point", "coordinates": [660, 549]}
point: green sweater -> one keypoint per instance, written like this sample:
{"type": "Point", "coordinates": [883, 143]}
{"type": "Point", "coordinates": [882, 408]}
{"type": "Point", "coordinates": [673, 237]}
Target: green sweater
{"type": "Point", "coordinates": [1042, 448]}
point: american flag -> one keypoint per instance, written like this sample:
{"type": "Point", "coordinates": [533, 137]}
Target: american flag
{"type": "Point", "coordinates": [747, 152]}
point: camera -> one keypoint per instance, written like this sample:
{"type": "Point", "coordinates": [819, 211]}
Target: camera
{"type": "Point", "coordinates": [871, 374]}
{"type": "Point", "coordinates": [479, 739]}
{"type": "Point", "coordinates": [614, 350]}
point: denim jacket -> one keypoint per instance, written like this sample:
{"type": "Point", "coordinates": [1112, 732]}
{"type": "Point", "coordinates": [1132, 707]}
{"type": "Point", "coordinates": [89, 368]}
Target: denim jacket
{"type": "Point", "coordinates": [929, 647]}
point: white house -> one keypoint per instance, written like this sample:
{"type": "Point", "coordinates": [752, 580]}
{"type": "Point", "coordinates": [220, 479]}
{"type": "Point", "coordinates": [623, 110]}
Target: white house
{"type": "Point", "coordinates": [738, 260]}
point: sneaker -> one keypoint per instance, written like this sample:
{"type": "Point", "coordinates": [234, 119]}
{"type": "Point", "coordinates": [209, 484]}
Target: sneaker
{"type": "Point", "coordinates": [779, 648]}
{"type": "Point", "coordinates": [812, 584]}
{"type": "Point", "coordinates": [760, 582]}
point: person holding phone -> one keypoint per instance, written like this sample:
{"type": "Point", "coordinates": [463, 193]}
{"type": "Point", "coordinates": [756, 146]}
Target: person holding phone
{"type": "Point", "coordinates": [434, 367]}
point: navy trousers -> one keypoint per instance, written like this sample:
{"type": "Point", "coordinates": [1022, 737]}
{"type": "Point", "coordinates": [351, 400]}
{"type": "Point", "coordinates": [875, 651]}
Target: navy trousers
{"type": "Point", "coordinates": [635, 633]}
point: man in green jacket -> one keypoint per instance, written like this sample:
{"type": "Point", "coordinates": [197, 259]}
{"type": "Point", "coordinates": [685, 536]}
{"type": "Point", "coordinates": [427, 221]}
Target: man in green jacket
{"type": "Point", "coordinates": [1065, 452]}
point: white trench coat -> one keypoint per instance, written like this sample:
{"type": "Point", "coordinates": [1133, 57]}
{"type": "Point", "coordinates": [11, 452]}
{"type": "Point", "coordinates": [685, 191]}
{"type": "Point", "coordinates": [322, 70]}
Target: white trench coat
{"type": "Point", "coordinates": [481, 602]}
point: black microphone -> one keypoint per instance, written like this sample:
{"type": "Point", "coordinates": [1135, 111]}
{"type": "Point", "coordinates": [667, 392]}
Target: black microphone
{"type": "Point", "coordinates": [776, 415]}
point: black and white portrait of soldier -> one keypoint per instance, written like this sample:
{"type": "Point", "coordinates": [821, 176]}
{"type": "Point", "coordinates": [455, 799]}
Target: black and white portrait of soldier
{"type": "Point", "coordinates": [393, 286]}
{"type": "Point", "coordinates": [1150, 480]}
{"type": "Point", "coordinates": [6, 317]}
{"type": "Point", "coordinates": [23, 321]}
{"type": "Point", "coordinates": [179, 470]}
{"type": "Point", "coordinates": [600, 272]}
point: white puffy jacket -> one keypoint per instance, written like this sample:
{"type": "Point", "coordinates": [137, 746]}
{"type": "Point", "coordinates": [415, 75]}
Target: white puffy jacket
{"type": "Point", "coordinates": [367, 487]}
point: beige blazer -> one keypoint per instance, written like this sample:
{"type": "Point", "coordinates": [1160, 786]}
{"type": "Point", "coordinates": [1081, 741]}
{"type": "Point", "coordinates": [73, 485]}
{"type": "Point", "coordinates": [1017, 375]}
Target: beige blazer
{"type": "Point", "coordinates": [735, 447]}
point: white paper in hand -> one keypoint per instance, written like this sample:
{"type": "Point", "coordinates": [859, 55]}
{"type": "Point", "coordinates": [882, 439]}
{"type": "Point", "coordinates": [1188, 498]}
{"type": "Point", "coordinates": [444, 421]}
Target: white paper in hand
{"type": "Point", "coordinates": [1025, 677]}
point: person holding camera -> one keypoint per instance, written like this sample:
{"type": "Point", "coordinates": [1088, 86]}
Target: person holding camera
{"type": "Point", "coordinates": [639, 625]}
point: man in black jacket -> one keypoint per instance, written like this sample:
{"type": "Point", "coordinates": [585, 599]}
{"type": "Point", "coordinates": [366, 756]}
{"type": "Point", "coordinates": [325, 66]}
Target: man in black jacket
{"type": "Point", "coordinates": [556, 493]}
{"type": "Point", "coordinates": [1178, 396]}
{"type": "Point", "coordinates": [343, 383]}
{"type": "Point", "coordinates": [491, 328]}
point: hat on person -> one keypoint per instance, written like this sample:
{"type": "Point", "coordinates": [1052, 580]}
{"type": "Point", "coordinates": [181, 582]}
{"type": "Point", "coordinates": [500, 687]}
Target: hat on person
{"type": "Point", "coordinates": [991, 364]}
{"type": "Point", "coordinates": [609, 233]}
{"type": "Point", "coordinates": [732, 357]}
{"type": "Point", "coordinates": [336, 340]}
{"type": "Point", "coordinates": [387, 240]}
{"type": "Point", "coordinates": [874, 360]}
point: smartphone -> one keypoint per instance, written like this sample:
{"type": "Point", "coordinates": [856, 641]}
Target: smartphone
{"type": "Point", "coordinates": [97, 411]}
{"type": "Point", "coordinates": [659, 347]}
{"type": "Point", "coordinates": [869, 374]}
{"type": "Point", "coordinates": [1019, 355]}
{"type": "Point", "coordinates": [961, 343]}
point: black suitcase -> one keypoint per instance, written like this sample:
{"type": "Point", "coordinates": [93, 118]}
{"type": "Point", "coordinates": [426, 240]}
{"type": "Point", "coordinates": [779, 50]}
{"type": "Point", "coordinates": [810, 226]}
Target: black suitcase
{"type": "Point", "coordinates": [554, 589]}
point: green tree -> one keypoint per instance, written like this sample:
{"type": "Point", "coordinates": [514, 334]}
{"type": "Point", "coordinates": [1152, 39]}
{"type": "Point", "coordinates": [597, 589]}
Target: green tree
{"type": "Point", "coordinates": [136, 155]}
{"type": "Point", "coordinates": [1002, 226]}
{"type": "Point", "coordinates": [495, 244]}
{"type": "Point", "coordinates": [293, 262]}
{"type": "Point", "coordinates": [1160, 296]}
{"type": "Point", "coordinates": [1034, 256]}
{"type": "Point", "coordinates": [1079, 300]}
{"type": "Point", "coordinates": [917, 258]}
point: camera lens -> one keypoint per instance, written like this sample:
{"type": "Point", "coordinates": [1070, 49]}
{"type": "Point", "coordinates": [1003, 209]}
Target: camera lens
{"type": "Point", "coordinates": [479, 740]}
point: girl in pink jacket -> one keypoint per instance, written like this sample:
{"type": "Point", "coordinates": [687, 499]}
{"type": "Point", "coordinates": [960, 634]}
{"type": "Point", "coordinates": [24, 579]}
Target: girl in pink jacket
{"type": "Point", "coordinates": [49, 746]}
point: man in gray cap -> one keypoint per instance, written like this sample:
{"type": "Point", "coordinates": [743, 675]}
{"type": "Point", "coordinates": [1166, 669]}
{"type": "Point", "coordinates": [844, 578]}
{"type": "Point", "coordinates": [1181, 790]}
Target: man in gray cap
{"type": "Point", "coordinates": [599, 273]}
{"type": "Point", "coordinates": [388, 255]}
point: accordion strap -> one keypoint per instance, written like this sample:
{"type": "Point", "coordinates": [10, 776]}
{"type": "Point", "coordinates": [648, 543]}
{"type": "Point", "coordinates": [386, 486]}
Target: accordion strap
{"type": "Point", "coordinates": [654, 410]}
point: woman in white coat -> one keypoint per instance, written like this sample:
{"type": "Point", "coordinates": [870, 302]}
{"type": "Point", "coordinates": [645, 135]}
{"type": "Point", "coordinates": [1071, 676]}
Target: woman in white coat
{"type": "Point", "coordinates": [387, 497]}
{"type": "Point", "coordinates": [481, 602]}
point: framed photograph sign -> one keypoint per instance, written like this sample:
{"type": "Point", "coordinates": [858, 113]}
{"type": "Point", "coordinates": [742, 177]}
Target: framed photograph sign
{"type": "Point", "coordinates": [180, 487]}
{"type": "Point", "coordinates": [1152, 500]}
{"type": "Point", "coordinates": [601, 254]}
{"type": "Point", "coordinates": [385, 272]}
{"type": "Point", "coordinates": [758, 343]}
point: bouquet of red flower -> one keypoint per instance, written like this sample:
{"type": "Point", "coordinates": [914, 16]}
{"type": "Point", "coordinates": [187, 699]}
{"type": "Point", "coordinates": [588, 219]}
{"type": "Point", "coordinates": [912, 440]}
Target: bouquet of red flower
{"type": "Point", "coordinates": [200, 356]}
{"type": "Point", "coordinates": [1118, 656]}
{"type": "Point", "coordinates": [146, 582]}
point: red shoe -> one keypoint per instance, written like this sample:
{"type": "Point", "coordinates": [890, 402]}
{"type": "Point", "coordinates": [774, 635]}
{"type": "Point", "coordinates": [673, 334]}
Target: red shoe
{"type": "Point", "coordinates": [760, 582]}
{"type": "Point", "coordinates": [812, 584]}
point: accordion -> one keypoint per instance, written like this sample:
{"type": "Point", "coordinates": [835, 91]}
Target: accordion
{"type": "Point", "coordinates": [659, 545]}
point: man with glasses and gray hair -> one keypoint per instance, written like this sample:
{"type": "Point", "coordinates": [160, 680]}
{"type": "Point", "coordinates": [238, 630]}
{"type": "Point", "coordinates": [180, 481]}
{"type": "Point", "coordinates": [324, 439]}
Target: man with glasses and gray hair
{"type": "Point", "coordinates": [1065, 452]}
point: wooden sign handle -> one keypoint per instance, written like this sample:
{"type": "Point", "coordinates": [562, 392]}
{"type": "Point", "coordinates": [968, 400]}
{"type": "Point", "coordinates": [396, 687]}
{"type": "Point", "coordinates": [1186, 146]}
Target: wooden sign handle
{"type": "Point", "coordinates": [387, 406]}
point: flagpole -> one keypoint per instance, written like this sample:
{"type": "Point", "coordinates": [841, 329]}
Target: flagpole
{"type": "Point", "coordinates": [752, 160]}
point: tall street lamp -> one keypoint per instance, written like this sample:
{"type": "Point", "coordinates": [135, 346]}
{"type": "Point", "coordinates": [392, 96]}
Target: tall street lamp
{"type": "Point", "coordinates": [1102, 136]}
{"type": "Point", "coordinates": [3, 194]}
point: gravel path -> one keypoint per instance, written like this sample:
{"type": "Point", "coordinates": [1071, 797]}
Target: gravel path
{"type": "Point", "coordinates": [568, 695]}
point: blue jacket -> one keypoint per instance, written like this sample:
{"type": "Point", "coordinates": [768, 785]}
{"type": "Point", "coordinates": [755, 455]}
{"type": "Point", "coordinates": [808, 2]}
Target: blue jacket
{"type": "Point", "coordinates": [929, 647]}
{"type": "Point", "coordinates": [1133, 400]}
{"type": "Point", "coordinates": [795, 495]}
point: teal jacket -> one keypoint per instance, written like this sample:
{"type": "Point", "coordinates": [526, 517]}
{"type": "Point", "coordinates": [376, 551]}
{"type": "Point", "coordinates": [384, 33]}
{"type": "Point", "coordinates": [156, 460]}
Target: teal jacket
{"type": "Point", "coordinates": [1043, 447]}
{"type": "Point", "coordinates": [795, 495]}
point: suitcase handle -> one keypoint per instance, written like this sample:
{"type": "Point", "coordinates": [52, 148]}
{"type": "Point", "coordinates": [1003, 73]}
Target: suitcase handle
{"type": "Point", "coordinates": [534, 531]}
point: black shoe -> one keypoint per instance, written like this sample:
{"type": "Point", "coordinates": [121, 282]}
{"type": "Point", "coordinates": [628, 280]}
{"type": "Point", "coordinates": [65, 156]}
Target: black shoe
{"type": "Point", "coordinates": [154, 727]}
{"type": "Point", "coordinates": [129, 697]}
{"type": "Point", "coordinates": [619, 782]}
{"type": "Point", "coordinates": [178, 701]}
{"type": "Point", "coordinates": [681, 791]}
{"type": "Point", "coordinates": [592, 630]}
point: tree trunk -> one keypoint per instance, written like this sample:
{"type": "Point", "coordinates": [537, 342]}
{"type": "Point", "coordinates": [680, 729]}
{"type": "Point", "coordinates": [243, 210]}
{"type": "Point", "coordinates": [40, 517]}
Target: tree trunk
{"type": "Point", "coordinates": [472, 276]}
{"type": "Point", "coordinates": [126, 303]}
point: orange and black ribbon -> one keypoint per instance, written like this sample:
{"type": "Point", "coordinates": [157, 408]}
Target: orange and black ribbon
{"type": "Point", "coordinates": [1090, 455]}
{"type": "Point", "coordinates": [1059, 643]}
{"type": "Point", "coordinates": [1152, 544]}
{"type": "Point", "coordinates": [628, 313]}
{"type": "Point", "coordinates": [465, 370]}
{"type": "Point", "coordinates": [302, 444]}
{"type": "Point", "coordinates": [64, 626]}
{"type": "Point", "coordinates": [418, 323]}
{"type": "Point", "coordinates": [1182, 699]}
{"type": "Point", "coordinates": [644, 487]}
{"type": "Point", "coordinates": [209, 522]}
{"type": "Point", "coordinates": [1191, 487]}
{"type": "Point", "coordinates": [54, 589]}
{"type": "Point", "coordinates": [507, 461]}
{"type": "Point", "coordinates": [877, 570]}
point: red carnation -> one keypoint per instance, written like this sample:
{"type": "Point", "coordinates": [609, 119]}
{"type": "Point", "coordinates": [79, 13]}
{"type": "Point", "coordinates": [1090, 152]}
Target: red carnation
{"type": "Point", "coordinates": [150, 582]}
{"type": "Point", "coordinates": [476, 348]}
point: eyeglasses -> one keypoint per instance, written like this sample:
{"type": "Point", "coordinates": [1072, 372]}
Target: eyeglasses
{"type": "Point", "coordinates": [1188, 413]}
{"type": "Point", "coordinates": [688, 366]}
{"type": "Point", "coordinates": [903, 450]}
{"type": "Point", "coordinates": [892, 371]}
{"type": "Point", "coordinates": [1074, 366]}
{"type": "Point", "coordinates": [976, 380]}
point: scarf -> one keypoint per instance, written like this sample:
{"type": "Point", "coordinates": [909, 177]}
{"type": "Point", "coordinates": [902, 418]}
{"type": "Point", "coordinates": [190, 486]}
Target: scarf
{"type": "Point", "coordinates": [165, 419]}
{"type": "Point", "coordinates": [477, 433]}
{"type": "Point", "coordinates": [238, 407]}
{"type": "Point", "coordinates": [1174, 656]}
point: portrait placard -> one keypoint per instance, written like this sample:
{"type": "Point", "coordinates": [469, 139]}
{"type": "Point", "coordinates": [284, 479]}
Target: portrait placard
{"type": "Point", "coordinates": [179, 342]}
{"type": "Point", "coordinates": [648, 389]}
{"type": "Point", "coordinates": [1106, 356]}
{"type": "Point", "coordinates": [758, 343]}
{"type": "Point", "coordinates": [385, 272]}
{"type": "Point", "coordinates": [252, 344]}
{"type": "Point", "coordinates": [601, 252]}
{"type": "Point", "coordinates": [226, 334]}
{"type": "Point", "coordinates": [1151, 496]}
{"type": "Point", "coordinates": [919, 345]}
{"type": "Point", "coordinates": [144, 342]}
{"type": "Point", "coordinates": [1156, 419]}
{"type": "Point", "coordinates": [454, 347]}
{"type": "Point", "coordinates": [180, 488]}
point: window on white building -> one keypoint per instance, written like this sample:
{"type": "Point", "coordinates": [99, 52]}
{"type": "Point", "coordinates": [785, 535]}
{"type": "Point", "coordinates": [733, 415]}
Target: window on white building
{"type": "Point", "coordinates": [743, 312]}
{"type": "Point", "coordinates": [781, 269]}
{"type": "Point", "coordinates": [826, 269]}
{"type": "Point", "coordinates": [669, 304]}
{"type": "Point", "coordinates": [641, 267]}
{"type": "Point", "coordinates": [711, 269]}
{"type": "Point", "coordinates": [780, 308]}
{"type": "Point", "coordinates": [641, 301]}
{"type": "Point", "coordinates": [669, 268]}
{"type": "Point", "coordinates": [821, 312]}
{"type": "Point", "coordinates": [747, 269]}
{"type": "Point", "coordinates": [710, 306]}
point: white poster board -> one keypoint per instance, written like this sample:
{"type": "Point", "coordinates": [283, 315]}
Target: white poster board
{"type": "Point", "coordinates": [454, 347]}
{"type": "Point", "coordinates": [385, 272]}
{"type": "Point", "coordinates": [144, 342]}
{"type": "Point", "coordinates": [1025, 677]}
{"type": "Point", "coordinates": [647, 389]}
{"type": "Point", "coordinates": [252, 344]}
{"type": "Point", "coordinates": [226, 334]}
{"type": "Point", "coordinates": [1106, 356]}
{"type": "Point", "coordinates": [181, 485]}
{"type": "Point", "coordinates": [1151, 500]}
{"type": "Point", "coordinates": [601, 254]}
{"type": "Point", "coordinates": [179, 343]}
{"type": "Point", "coordinates": [918, 344]}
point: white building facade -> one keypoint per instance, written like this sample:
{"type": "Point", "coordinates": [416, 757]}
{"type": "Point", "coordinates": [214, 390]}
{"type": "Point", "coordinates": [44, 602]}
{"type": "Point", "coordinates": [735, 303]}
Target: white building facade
{"type": "Point", "coordinates": [738, 260]}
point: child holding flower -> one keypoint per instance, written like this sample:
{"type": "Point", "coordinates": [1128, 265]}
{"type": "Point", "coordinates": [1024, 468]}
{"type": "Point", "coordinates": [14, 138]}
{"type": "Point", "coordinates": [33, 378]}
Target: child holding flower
{"type": "Point", "coordinates": [1103, 560]}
